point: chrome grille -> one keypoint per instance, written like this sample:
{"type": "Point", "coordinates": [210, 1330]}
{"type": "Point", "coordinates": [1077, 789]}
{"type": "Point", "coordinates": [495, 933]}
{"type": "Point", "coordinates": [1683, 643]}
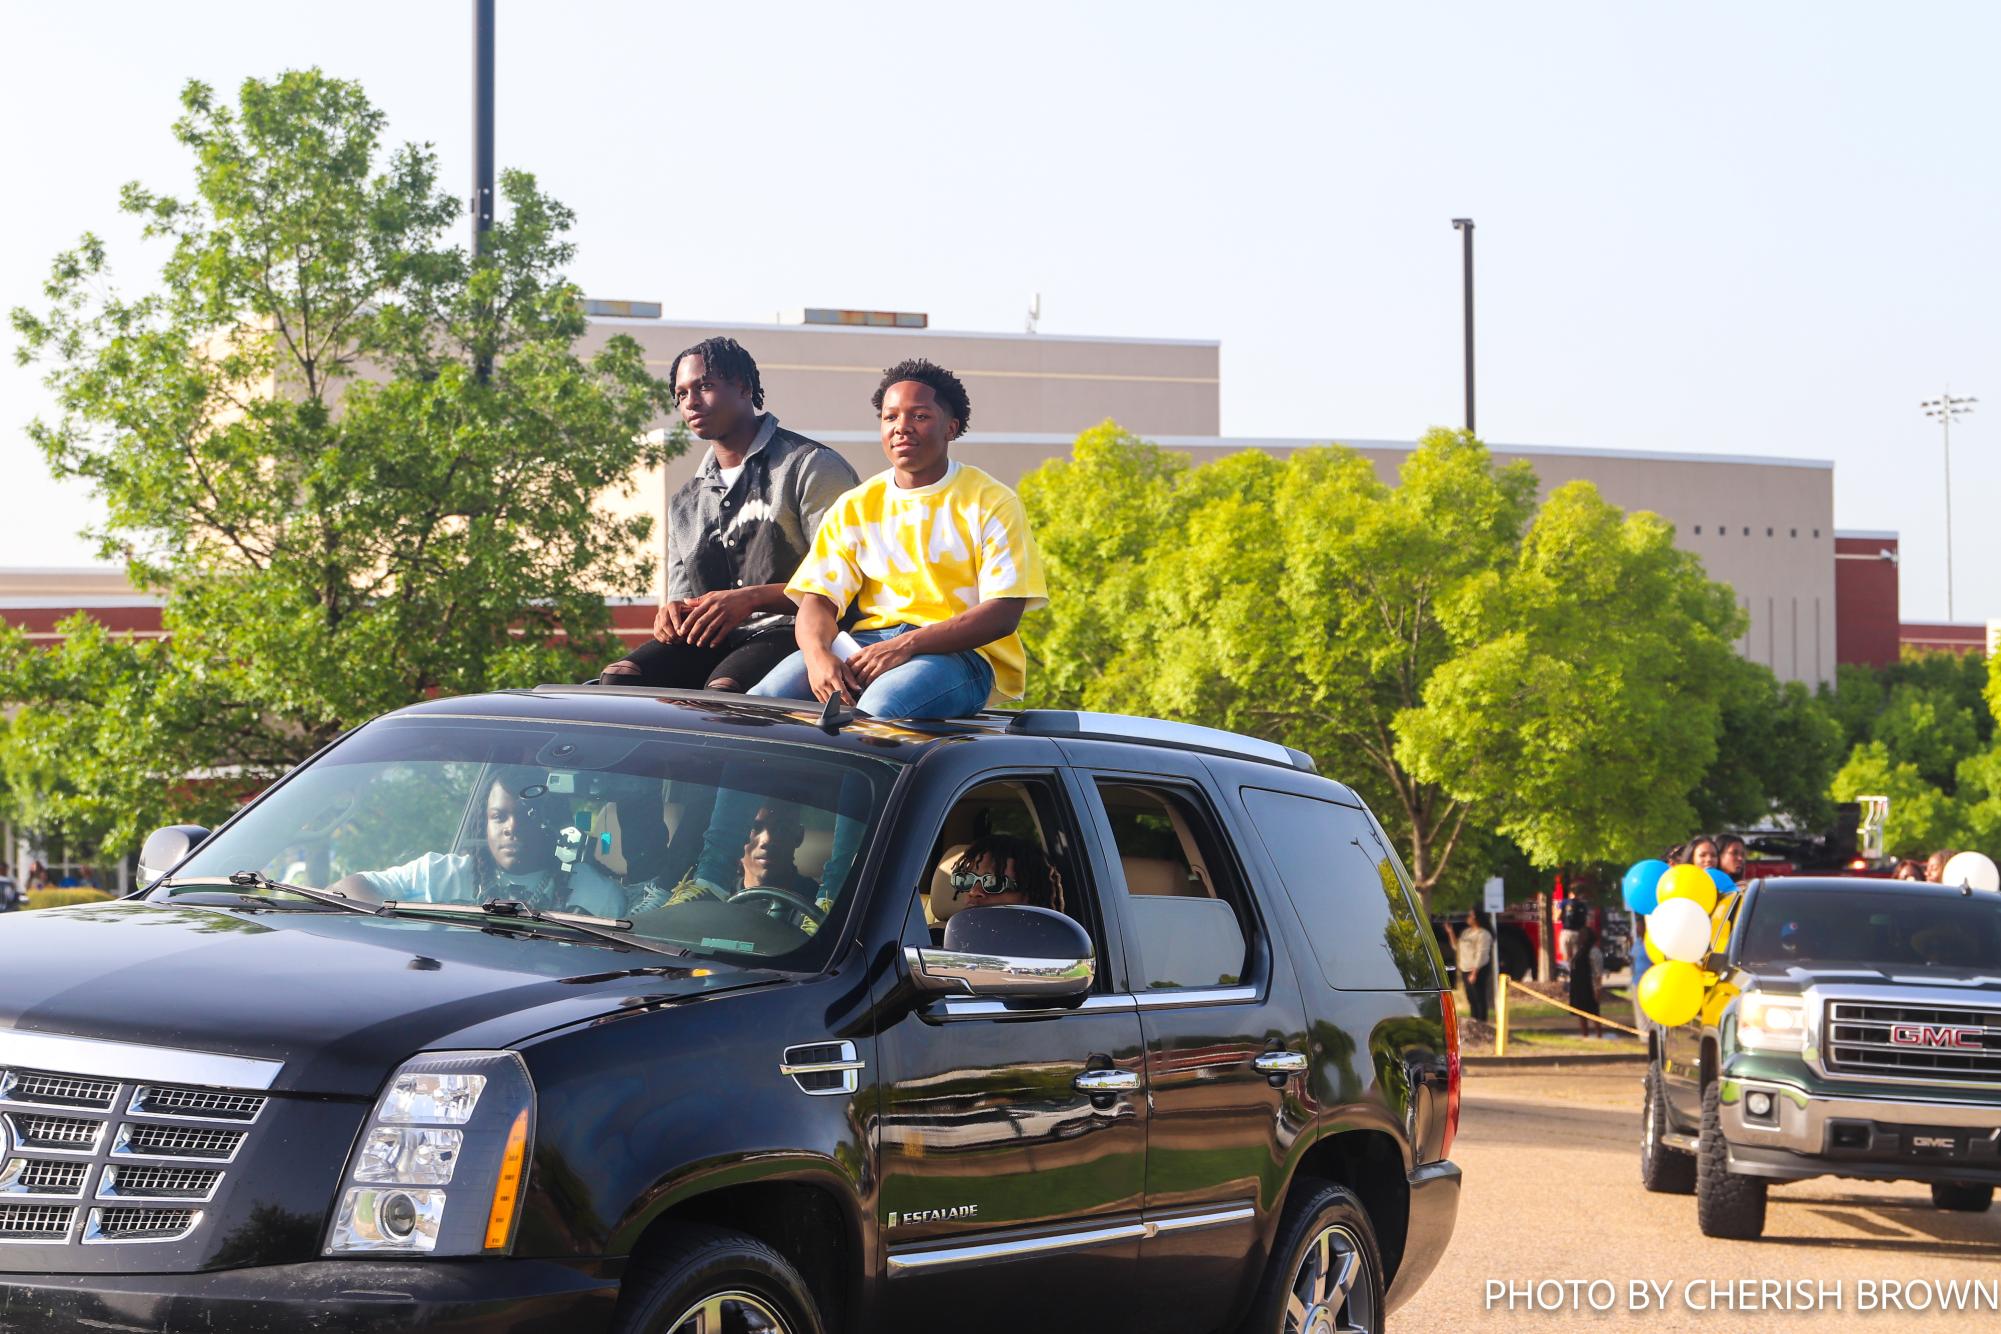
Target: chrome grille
{"type": "Point", "coordinates": [35, 1222]}
{"type": "Point", "coordinates": [203, 1104]}
{"type": "Point", "coordinates": [62, 1133]}
{"type": "Point", "coordinates": [87, 1158]}
{"type": "Point", "coordinates": [187, 1183]}
{"type": "Point", "coordinates": [62, 1090]}
{"type": "Point", "coordinates": [36, 1176]}
{"type": "Point", "coordinates": [151, 1141]}
{"type": "Point", "coordinates": [1903, 1041]}
{"type": "Point", "coordinates": [139, 1224]}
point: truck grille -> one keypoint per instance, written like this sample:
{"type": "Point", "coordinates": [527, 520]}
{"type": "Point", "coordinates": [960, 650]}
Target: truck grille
{"type": "Point", "coordinates": [140, 1174]}
{"type": "Point", "coordinates": [1944, 1042]}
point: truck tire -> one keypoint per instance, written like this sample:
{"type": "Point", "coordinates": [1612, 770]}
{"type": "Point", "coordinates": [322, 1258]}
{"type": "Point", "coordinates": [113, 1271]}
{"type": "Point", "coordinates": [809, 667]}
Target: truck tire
{"type": "Point", "coordinates": [1962, 1197]}
{"type": "Point", "coordinates": [1325, 1271]}
{"type": "Point", "coordinates": [701, 1280]}
{"type": "Point", "coordinates": [1663, 1170]}
{"type": "Point", "coordinates": [1726, 1205]}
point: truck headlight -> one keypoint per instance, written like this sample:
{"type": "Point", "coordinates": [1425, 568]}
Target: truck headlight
{"type": "Point", "coordinates": [462, 1120]}
{"type": "Point", "coordinates": [1771, 1023]}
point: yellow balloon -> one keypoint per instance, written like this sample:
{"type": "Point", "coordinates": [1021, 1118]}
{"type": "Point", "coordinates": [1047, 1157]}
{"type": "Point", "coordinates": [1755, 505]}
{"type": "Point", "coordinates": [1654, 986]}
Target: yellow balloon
{"type": "Point", "coordinates": [1719, 939]}
{"type": "Point", "coordinates": [1671, 993]}
{"type": "Point", "coordinates": [1654, 951]}
{"type": "Point", "coordinates": [1688, 882]}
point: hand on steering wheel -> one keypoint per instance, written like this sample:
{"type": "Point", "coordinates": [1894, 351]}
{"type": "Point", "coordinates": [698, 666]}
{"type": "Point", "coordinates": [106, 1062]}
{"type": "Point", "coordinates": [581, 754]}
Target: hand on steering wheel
{"type": "Point", "coordinates": [798, 902]}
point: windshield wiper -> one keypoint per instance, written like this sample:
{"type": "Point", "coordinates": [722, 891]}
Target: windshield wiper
{"type": "Point", "coordinates": [258, 880]}
{"type": "Point", "coordinates": [613, 929]}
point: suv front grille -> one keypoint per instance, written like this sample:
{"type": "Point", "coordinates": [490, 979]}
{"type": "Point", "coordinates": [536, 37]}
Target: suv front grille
{"type": "Point", "coordinates": [139, 1160]}
{"type": "Point", "coordinates": [35, 1222]}
{"type": "Point", "coordinates": [1954, 1042]}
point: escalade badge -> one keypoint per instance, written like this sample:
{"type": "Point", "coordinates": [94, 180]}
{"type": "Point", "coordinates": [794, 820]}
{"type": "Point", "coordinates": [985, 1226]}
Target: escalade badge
{"type": "Point", "coordinates": [1935, 1035]}
{"type": "Point", "coordinates": [951, 1214]}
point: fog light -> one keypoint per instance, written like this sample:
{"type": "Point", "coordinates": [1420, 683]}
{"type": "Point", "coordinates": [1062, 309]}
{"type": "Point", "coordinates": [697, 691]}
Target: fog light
{"type": "Point", "coordinates": [1758, 1104]}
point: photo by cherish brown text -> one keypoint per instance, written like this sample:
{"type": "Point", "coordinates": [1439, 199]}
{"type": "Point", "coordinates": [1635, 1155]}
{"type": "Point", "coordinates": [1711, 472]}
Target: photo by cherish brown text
{"type": "Point", "coordinates": [1738, 1296]}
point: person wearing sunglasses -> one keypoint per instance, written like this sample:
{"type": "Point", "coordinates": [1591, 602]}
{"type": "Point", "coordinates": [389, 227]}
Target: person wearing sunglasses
{"type": "Point", "coordinates": [1000, 869]}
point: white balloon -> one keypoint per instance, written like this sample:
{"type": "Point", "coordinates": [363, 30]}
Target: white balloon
{"type": "Point", "coordinates": [1680, 930]}
{"type": "Point", "coordinates": [1973, 869]}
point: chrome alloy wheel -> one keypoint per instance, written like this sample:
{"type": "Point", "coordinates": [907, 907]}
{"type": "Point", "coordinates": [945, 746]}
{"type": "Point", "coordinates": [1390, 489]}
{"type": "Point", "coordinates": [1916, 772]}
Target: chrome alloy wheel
{"type": "Point", "coordinates": [730, 1313]}
{"type": "Point", "coordinates": [1329, 1291]}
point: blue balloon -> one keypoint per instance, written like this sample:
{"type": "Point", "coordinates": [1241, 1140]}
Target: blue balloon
{"type": "Point", "coordinates": [1639, 884]}
{"type": "Point", "coordinates": [1724, 884]}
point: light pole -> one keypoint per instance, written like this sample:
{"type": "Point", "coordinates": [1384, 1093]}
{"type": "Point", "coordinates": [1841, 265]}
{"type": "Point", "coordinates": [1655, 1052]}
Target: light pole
{"type": "Point", "coordinates": [482, 145]}
{"type": "Point", "coordinates": [1944, 409]}
{"type": "Point", "coordinates": [1464, 226]}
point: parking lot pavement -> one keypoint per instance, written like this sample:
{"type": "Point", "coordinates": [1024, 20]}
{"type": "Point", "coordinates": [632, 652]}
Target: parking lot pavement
{"type": "Point", "coordinates": [1552, 1191]}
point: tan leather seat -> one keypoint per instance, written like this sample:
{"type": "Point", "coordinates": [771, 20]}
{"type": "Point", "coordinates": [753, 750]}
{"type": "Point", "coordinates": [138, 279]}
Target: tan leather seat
{"type": "Point", "coordinates": [1156, 876]}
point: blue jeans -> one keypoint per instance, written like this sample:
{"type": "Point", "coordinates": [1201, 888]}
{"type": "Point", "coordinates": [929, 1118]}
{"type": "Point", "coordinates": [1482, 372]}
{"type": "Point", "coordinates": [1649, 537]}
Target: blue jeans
{"type": "Point", "coordinates": [930, 685]}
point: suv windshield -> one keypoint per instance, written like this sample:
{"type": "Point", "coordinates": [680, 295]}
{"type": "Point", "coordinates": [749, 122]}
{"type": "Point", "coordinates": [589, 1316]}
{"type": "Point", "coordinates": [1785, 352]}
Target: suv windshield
{"type": "Point", "coordinates": [1889, 928]}
{"type": "Point", "coordinates": [722, 845]}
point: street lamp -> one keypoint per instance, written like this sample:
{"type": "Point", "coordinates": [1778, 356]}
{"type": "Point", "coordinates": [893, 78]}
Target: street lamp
{"type": "Point", "coordinates": [1464, 226]}
{"type": "Point", "coordinates": [1944, 409]}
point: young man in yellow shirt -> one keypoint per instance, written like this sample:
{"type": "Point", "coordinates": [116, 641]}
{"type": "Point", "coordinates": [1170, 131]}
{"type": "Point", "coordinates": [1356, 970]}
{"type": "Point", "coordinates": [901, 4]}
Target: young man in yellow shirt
{"type": "Point", "coordinates": [937, 557]}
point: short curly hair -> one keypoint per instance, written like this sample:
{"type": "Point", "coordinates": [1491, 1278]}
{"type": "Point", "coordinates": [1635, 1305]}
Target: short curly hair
{"type": "Point", "coordinates": [951, 393]}
{"type": "Point", "coordinates": [724, 359]}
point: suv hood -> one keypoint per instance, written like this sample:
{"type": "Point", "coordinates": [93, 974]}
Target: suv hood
{"type": "Point", "coordinates": [339, 998]}
{"type": "Point", "coordinates": [1798, 977]}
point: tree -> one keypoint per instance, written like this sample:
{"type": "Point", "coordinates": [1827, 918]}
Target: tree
{"type": "Point", "coordinates": [1778, 748]}
{"type": "Point", "coordinates": [291, 444]}
{"type": "Point", "coordinates": [1415, 639]}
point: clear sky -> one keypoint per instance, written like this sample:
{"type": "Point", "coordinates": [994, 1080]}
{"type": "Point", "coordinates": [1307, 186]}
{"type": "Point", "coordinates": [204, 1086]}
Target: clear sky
{"type": "Point", "coordinates": [1720, 228]}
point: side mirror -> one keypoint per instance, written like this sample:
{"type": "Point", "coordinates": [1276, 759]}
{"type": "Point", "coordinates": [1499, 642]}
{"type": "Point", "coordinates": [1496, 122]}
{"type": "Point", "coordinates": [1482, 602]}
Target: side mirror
{"type": "Point", "coordinates": [168, 847]}
{"type": "Point", "coordinates": [1006, 952]}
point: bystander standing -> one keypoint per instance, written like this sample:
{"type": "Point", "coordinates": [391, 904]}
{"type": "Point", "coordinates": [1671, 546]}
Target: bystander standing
{"type": "Point", "coordinates": [1475, 951]}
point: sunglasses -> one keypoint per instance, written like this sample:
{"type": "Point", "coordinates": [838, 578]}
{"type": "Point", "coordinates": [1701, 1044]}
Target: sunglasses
{"type": "Point", "coordinates": [988, 882]}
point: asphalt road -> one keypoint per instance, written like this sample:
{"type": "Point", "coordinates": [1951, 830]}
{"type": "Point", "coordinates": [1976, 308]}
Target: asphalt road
{"type": "Point", "coordinates": [1552, 1192]}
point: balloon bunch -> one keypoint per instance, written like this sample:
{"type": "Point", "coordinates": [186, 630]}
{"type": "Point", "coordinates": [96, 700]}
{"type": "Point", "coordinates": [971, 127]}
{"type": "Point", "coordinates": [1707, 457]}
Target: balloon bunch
{"type": "Point", "coordinates": [1686, 908]}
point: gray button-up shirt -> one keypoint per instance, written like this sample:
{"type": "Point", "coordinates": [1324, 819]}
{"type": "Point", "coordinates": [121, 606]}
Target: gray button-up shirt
{"type": "Point", "coordinates": [758, 530]}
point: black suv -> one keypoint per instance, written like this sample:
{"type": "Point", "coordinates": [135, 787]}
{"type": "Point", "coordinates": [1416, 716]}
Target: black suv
{"type": "Point", "coordinates": [1853, 1029]}
{"type": "Point", "coordinates": [686, 1012]}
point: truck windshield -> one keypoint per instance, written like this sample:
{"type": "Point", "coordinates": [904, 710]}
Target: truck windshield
{"type": "Point", "coordinates": [722, 845]}
{"type": "Point", "coordinates": [1874, 929]}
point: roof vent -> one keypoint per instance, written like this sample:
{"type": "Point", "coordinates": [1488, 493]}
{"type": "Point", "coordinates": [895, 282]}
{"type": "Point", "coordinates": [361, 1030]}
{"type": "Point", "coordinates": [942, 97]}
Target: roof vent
{"type": "Point", "coordinates": [625, 310]}
{"type": "Point", "coordinates": [864, 319]}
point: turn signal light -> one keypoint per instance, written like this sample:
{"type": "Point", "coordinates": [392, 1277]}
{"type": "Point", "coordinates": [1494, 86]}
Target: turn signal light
{"type": "Point", "coordinates": [1452, 1073]}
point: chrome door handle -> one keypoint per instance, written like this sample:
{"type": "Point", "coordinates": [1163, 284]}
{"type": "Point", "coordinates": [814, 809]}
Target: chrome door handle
{"type": "Point", "coordinates": [1279, 1063]}
{"type": "Point", "coordinates": [1099, 1082]}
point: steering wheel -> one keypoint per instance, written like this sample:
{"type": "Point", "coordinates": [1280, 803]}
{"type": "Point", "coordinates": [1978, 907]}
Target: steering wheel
{"type": "Point", "coordinates": [797, 902]}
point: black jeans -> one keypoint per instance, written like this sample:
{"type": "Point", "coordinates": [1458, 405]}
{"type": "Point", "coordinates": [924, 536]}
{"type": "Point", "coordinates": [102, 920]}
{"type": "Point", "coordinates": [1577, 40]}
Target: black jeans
{"type": "Point", "coordinates": [1479, 990]}
{"type": "Point", "coordinates": [744, 660]}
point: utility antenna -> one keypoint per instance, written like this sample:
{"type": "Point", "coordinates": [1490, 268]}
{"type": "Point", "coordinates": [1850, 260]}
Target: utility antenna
{"type": "Point", "coordinates": [1944, 409]}
{"type": "Point", "coordinates": [1034, 312]}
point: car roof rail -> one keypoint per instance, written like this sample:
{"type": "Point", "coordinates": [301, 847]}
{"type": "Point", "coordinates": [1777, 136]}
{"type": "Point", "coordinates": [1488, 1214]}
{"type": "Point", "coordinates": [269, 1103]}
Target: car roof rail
{"type": "Point", "coordinates": [1157, 732]}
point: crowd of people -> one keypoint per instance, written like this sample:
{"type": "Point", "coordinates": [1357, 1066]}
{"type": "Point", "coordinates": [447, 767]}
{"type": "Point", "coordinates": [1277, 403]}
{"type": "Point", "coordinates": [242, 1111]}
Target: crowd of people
{"type": "Point", "coordinates": [789, 576]}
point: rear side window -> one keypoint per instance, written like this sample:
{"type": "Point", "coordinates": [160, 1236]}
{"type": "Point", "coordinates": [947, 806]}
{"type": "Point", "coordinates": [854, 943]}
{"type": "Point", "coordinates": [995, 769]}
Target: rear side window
{"type": "Point", "coordinates": [1188, 924]}
{"type": "Point", "coordinates": [1345, 888]}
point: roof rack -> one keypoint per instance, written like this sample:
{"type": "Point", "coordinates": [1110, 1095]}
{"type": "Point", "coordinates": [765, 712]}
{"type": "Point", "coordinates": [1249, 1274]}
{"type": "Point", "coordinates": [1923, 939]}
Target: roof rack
{"type": "Point", "coordinates": [1157, 732]}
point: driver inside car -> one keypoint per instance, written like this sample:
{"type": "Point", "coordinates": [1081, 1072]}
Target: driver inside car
{"type": "Point", "coordinates": [517, 861]}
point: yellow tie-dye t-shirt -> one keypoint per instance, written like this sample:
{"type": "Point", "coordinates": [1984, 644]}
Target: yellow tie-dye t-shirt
{"type": "Point", "coordinates": [921, 556]}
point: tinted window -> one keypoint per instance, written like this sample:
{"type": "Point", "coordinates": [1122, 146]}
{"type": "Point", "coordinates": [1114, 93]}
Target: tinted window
{"type": "Point", "coordinates": [1881, 929]}
{"type": "Point", "coordinates": [1344, 886]}
{"type": "Point", "coordinates": [1190, 926]}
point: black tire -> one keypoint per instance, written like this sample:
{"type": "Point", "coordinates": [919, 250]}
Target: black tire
{"type": "Point", "coordinates": [1302, 1277]}
{"type": "Point", "coordinates": [755, 1287]}
{"type": "Point", "coordinates": [1663, 1170]}
{"type": "Point", "coordinates": [1962, 1197]}
{"type": "Point", "coordinates": [1726, 1205]}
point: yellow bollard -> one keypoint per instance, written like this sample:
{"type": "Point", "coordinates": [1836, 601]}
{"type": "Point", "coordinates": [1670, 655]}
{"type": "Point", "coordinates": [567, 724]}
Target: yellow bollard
{"type": "Point", "coordinates": [1501, 1014]}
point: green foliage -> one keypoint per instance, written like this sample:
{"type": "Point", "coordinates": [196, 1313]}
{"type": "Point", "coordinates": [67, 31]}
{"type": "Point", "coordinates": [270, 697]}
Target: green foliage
{"type": "Point", "coordinates": [1778, 750]}
{"type": "Point", "coordinates": [288, 439]}
{"type": "Point", "coordinates": [64, 898]}
{"type": "Point", "coordinates": [1922, 818]}
{"type": "Point", "coordinates": [1481, 671]}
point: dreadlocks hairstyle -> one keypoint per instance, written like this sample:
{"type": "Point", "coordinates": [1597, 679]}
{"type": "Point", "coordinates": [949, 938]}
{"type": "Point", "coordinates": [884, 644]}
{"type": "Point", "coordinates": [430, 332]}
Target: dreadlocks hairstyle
{"type": "Point", "coordinates": [724, 359]}
{"type": "Point", "coordinates": [943, 383]}
{"type": "Point", "coordinates": [1032, 871]}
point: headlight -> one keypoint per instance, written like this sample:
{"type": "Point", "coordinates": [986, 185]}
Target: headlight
{"type": "Point", "coordinates": [1771, 1023]}
{"type": "Point", "coordinates": [462, 1120]}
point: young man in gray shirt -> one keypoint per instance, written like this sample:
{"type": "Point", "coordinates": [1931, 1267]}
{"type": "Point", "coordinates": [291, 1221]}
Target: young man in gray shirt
{"type": "Point", "coordinates": [736, 531]}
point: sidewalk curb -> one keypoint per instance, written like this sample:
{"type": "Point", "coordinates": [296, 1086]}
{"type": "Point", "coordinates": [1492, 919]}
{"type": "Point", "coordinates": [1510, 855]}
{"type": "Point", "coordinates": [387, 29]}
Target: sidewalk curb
{"type": "Point", "coordinates": [1547, 1061]}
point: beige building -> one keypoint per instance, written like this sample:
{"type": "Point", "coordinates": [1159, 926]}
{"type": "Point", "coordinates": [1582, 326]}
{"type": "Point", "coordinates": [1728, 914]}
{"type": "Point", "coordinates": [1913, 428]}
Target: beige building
{"type": "Point", "coordinates": [1765, 526]}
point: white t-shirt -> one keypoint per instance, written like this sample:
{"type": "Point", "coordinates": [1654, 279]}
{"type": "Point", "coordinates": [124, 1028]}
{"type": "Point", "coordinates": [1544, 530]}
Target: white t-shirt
{"type": "Point", "coordinates": [730, 475]}
{"type": "Point", "coordinates": [438, 877]}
